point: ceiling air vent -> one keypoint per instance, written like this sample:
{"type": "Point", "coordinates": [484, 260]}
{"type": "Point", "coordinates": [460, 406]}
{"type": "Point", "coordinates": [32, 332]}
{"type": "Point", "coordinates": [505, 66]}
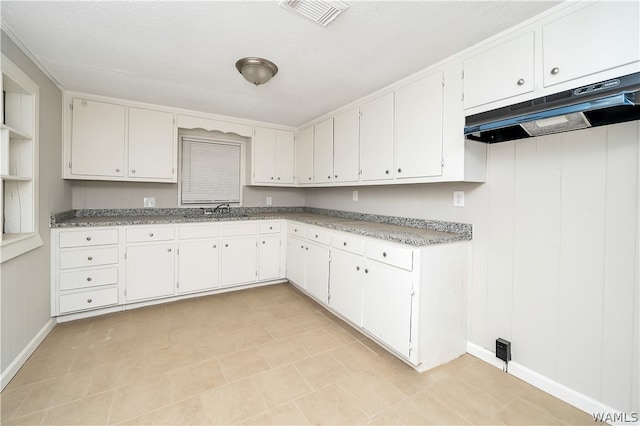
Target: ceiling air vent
{"type": "Point", "coordinates": [320, 11]}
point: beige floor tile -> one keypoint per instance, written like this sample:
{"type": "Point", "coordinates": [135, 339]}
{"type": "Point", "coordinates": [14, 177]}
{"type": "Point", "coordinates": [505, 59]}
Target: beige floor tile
{"type": "Point", "coordinates": [117, 374]}
{"type": "Point", "coordinates": [283, 352]}
{"type": "Point", "coordinates": [405, 378]}
{"type": "Point", "coordinates": [140, 398]}
{"type": "Point", "coordinates": [388, 417]}
{"type": "Point", "coordinates": [312, 320]}
{"type": "Point", "coordinates": [92, 410]}
{"type": "Point", "coordinates": [243, 364]}
{"type": "Point", "coordinates": [287, 414]}
{"type": "Point", "coordinates": [357, 357]}
{"type": "Point", "coordinates": [330, 406]}
{"type": "Point", "coordinates": [316, 341]}
{"type": "Point", "coordinates": [10, 400]}
{"type": "Point", "coordinates": [197, 378]}
{"type": "Point", "coordinates": [370, 393]}
{"type": "Point", "coordinates": [28, 420]}
{"type": "Point", "coordinates": [520, 412]}
{"type": "Point", "coordinates": [563, 411]}
{"type": "Point", "coordinates": [41, 368]}
{"type": "Point", "coordinates": [188, 412]}
{"type": "Point", "coordinates": [339, 333]}
{"type": "Point", "coordinates": [282, 329]}
{"type": "Point", "coordinates": [423, 409]}
{"type": "Point", "coordinates": [250, 337]}
{"type": "Point", "coordinates": [233, 402]}
{"type": "Point", "coordinates": [55, 391]}
{"type": "Point", "coordinates": [321, 370]}
{"type": "Point", "coordinates": [212, 347]}
{"type": "Point", "coordinates": [256, 317]}
{"type": "Point", "coordinates": [281, 385]}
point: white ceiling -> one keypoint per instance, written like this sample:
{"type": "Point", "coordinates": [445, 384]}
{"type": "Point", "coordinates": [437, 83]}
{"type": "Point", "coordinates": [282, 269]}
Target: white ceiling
{"type": "Point", "coordinates": [183, 54]}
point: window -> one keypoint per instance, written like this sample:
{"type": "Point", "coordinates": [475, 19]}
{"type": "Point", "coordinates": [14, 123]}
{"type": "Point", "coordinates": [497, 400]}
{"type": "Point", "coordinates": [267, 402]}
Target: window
{"type": "Point", "coordinates": [210, 171]}
{"type": "Point", "coordinates": [18, 162]}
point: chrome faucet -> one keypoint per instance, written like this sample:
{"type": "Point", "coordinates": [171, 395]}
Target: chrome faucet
{"type": "Point", "coordinates": [222, 209]}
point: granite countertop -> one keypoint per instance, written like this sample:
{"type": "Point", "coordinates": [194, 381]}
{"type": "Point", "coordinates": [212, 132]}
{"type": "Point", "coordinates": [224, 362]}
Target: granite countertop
{"type": "Point", "coordinates": [415, 232]}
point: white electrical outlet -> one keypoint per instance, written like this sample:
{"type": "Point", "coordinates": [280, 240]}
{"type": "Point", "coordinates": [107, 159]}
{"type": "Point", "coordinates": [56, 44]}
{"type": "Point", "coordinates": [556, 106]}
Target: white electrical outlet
{"type": "Point", "coordinates": [355, 195]}
{"type": "Point", "coordinates": [269, 201]}
{"type": "Point", "coordinates": [458, 198]}
{"type": "Point", "coordinates": [149, 201]}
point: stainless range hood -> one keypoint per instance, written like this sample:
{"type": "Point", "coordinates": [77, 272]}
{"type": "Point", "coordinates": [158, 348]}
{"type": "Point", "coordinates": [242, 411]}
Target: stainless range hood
{"type": "Point", "coordinates": [608, 102]}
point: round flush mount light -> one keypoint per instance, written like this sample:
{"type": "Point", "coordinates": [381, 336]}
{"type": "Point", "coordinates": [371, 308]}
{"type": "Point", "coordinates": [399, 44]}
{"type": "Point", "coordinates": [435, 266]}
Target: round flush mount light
{"type": "Point", "coordinates": [256, 70]}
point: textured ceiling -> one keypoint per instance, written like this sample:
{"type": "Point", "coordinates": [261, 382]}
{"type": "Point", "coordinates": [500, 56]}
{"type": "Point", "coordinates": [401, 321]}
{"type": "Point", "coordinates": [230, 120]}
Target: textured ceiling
{"type": "Point", "coordinates": [182, 54]}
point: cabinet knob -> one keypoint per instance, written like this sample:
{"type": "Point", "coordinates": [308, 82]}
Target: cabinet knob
{"type": "Point", "coordinates": [309, 177]}
{"type": "Point", "coordinates": [270, 228]}
{"type": "Point", "coordinates": [335, 176]}
{"type": "Point", "coordinates": [278, 178]}
{"type": "Point", "coordinates": [329, 177]}
{"type": "Point", "coordinates": [89, 300]}
{"type": "Point", "coordinates": [89, 279]}
{"type": "Point", "coordinates": [118, 170]}
{"type": "Point", "coordinates": [271, 177]}
{"type": "Point", "coordinates": [133, 170]}
{"type": "Point", "coordinates": [384, 254]}
{"type": "Point", "coordinates": [344, 243]}
{"type": "Point", "coordinates": [306, 248]}
{"type": "Point", "coordinates": [90, 258]}
{"type": "Point", "coordinates": [357, 268]}
{"type": "Point", "coordinates": [520, 82]}
{"type": "Point", "coordinates": [88, 238]}
{"type": "Point", "coordinates": [316, 235]}
{"type": "Point", "coordinates": [301, 247]}
{"type": "Point", "coordinates": [555, 70]}
{"type": "Point", "coordinates": [399, 170]}
{"type": "Point", "coordinates": [169, 250]}
{"type": "Point", "coordinates": [215, 246]}
{"type": "Point", "coordinates": [151, 234]}
{"type": "Point", "coordinates": [366, 271]}
{"type": "Point", "coordinates": [386, 171]}
{"type": "Point", "coordinates": [263, 241]}
{"type": "Point", "coordinates": [226, 245]}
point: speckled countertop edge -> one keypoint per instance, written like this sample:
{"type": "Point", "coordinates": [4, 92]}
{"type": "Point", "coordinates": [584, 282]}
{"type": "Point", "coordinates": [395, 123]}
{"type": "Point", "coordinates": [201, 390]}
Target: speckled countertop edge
{"type": "Point", "coordinates": [416, 232]}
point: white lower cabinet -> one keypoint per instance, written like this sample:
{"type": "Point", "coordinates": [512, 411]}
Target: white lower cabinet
{"type": "Point", "coordinates": [238, 260]}
{"type": "Point", "coordinates": [346, 281]}
{"type": "Point", "coordinates": [198, 265]}
{"type": "Point", "coordinates": [308, 259]}
{"type": "Point", "coordinates": [296, 261]}
{"type": "Point", "coordinates": [268, 257]}
{"type": "Point", "coordinates": [317, 267]}
{"type": "Point", "coordinates": [150, 270]}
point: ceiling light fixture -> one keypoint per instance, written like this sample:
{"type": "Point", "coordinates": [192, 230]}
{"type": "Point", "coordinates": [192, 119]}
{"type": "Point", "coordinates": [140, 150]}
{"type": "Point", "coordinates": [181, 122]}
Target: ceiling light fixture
{"type": "Point", "coordinates": [256, 70]}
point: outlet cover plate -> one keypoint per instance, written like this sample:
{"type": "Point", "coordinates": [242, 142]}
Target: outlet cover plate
{"type": "Point", "coordinates": [149, 201]}
{"type": "Point", "coordinates": [458, 198]}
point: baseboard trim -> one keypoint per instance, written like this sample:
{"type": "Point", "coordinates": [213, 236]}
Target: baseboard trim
{"type": "Point", "coordinates": [23, 356]}
{"type": "Point", "coordinates": [560, 391]}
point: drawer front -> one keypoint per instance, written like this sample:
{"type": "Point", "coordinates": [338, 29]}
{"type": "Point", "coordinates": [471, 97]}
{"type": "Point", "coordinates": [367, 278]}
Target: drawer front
{"type": "Point", "coordinates": [392, 255]}
{"type": "Point", "coordinates": [88, 237]}
{"type": "Point", "coordinates": [233, 229]}
{"type": "Point", "coordinates": [199, 231]}
{"type": "Point", "coordinates": [347, 242]}
{"type": "Point", "coordinates": [297, 229]}
{"type": "Point", "coordinates": [88, 300]}
{"type": "Point", "coordinates": [88, 278]}
{"type": "Point", "coordinates": [146, 234]}
{"type": "Point", "coordinates": [269, 227]}
{"type": "Point", "coordinates": [319, 235]}
{"type": "Point", "coordinates": [88, 257]}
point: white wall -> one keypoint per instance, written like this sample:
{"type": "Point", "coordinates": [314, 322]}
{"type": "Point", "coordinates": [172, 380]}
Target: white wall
{"type": "Point", "coordinates": [555, 253]}
{"type": "Point", "coordinates": [25, 289]}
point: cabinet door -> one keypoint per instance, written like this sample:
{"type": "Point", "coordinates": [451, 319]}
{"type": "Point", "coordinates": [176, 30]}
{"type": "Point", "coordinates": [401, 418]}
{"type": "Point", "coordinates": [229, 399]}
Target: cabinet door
{"type": "Point", "coordinates": [296, 261]}
{"type": "Point", "coordinates": [499, 73]}
{"type": "Point", "coordinates": [97, 139]}
{"type": "Point", "coordinates": [376, 139]}
{"type": "Point", "coordinates": [150, 271]}
{"type": "Point", "coordinates": [305, 156]}
{"type": "Point", "coordinates": [599, 37]}
{"type": "Point", "coordinates": [323, 152]}
{"type": "Point", "coordinates": [198, 265]}
{"type": "Point", "coordinates": [264, 148]}
{"type": "Point", "coordinates": [318, 271]}
{"type": "Point", "coordinates": [418, 118]}
{"type": "Point", "coordinates": [152, 146]}
{"type": "Point", "coordinates": [269, 257]}
{"type": "Point", "coordinates": [346, 146]}
{"type": "Point", "coordinates": [238, 261]}
{"type": "Point", "coordinates": [285, 156]}
{"type": "Point", "coordinates": [386, 305]}
{"type": "Point", "coordinates": [345, 285]}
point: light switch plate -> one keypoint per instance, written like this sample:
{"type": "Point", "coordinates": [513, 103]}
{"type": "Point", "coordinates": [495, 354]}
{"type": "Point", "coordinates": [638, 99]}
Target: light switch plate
{"type": "Point", "coordinates": [355, 195]}
{"type": "Point", "coordinates": [269, 201]}
{"type": "Point", "coordinates": [149, 201]}
{"type": "Point", "coordinates": [458, 198]}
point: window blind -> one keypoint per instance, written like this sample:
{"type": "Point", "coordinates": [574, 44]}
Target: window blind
{"type": "Point", "coordinates": [210, 172]}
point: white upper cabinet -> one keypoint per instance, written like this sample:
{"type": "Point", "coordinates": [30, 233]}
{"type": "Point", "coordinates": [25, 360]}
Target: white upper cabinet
{"type": "Point", "coordinates": [323, 152]}
{"type": "Point", "coordinates": [418, 120]}
{"type": "Point", "coordinates": [98, 136]}
{"type": "Point", "coordinates": [152, 145]}
{"type": "Point", "coordinates": [346, 146]}
{"type": "Point", "coordinates": [376, 139]}
{"type": "Point", "coordinates": [501, 72]}
{"type": "Point", "coordinates": [596, 38]}
{"type": "Point", "coordinates": [273, 156]}
{"type": "Point", "coordinates": [305, 156]}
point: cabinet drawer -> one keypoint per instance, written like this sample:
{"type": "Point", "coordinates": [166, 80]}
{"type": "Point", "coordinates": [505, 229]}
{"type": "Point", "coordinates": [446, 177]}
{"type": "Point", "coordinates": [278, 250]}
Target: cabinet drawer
{"type": "Point", "coordinates": [88, 237]}
{"type": "Point", "coordinates": [320, 235]}
{"type": "Point", "coordinates": [88, 278]}
{"type": "Point", "coordinates": [390, 254]}
{"type": "Point", "coordinates": [88, 257]}
{"type": "Point", "coordinates": [88, 300]}
{"type": "Point", "coordinates": [347, 242]}
{"type": "Point", "coordinates": [269, 227]}
{"type": "Point", "coordinates": [146, 234]}
{"type": "Point", "coordinates": [198, 231]}
{"type": "Point", "coordinates": [233, 229]}
{"type": "Point", "coordinates": [297, 229]}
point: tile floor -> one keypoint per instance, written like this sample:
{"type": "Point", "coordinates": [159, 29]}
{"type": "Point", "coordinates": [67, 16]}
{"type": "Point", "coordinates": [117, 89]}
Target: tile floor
{"type": "Point", "coordinates": [266, 355]}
